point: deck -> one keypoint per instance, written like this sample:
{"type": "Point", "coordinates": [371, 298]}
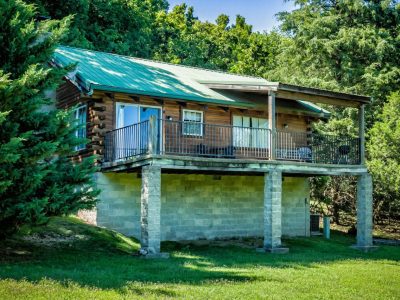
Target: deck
{"type": "Point", "coordinates": [199, 146]}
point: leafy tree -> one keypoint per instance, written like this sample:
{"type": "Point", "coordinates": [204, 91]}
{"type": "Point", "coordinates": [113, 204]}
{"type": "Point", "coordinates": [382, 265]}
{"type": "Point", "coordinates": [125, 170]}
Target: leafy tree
{"type": "Point", "coordinates": [327, 201]}
{"type": "Point", "coordinates": [384, 158]}
{"type": "Point", "coordinates": [174, 36]}
{"type": "Point", "coordinates": [259, 56]}
{"type": "Point", "coordinates": [120, 26]}
{"type": "Point", "coordinates": [183, 39]}
{"type": "Point", "coordinates": [37, 178]}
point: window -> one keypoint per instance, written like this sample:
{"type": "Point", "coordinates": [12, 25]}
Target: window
{"type": "Point", "coordinates": [250, 132]}
{"type": "Point", "coordinates": [192, 122]}
{"type": "Point", "coordinates": [80, 118]}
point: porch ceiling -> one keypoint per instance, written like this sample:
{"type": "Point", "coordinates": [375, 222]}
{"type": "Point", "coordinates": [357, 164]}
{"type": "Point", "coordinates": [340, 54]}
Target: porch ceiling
{"type": "Point", "coordinates": [295, 92]}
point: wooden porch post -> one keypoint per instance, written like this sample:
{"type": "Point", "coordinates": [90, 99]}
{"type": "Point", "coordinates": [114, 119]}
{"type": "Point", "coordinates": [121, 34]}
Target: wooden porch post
{"type": "Point", "coordinates": [361, 132]}
{"type": "Point", "coordinates": [272, 122]}
{"type": "Point", "coordinates": [153, 135]}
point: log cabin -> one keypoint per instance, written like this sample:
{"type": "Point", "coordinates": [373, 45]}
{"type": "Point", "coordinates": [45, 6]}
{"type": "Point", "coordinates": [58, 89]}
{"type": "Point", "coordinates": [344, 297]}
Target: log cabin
{"type": "Point", "coordinates": [187, 153]}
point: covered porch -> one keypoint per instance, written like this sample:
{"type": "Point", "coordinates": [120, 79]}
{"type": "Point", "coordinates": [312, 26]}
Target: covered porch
{"type": "Point", "coordinates": [235, 139]}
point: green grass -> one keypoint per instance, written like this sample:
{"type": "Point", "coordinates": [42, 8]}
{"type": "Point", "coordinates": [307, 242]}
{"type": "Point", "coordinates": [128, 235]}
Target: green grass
{"type": "Point", "coordinates": [98, 265]}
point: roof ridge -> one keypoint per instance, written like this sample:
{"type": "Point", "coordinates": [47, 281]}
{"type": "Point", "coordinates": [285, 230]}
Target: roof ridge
{"type": "Point", "coordinates": [166, 63]}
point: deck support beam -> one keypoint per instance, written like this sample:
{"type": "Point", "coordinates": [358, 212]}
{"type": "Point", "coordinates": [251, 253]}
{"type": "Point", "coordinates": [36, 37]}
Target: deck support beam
{"type": "Point", "coordinates": [364, 213]}
{"type": "Point", "coordinates": [151, 212]}
{"type": "Point", "coordinates": [273, 212]}
{"type": "Point", "coordinates": [361, 132]}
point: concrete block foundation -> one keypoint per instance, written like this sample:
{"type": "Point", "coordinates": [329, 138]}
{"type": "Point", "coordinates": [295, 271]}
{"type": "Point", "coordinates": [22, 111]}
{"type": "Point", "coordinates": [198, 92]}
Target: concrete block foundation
{"type": "Point", "coordinates": [198, 206]}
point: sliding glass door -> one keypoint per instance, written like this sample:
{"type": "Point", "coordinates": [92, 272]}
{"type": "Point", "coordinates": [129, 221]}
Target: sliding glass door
{"type": "Point", "coordinates": [132, 130]}
{"type": "Point", "coordinates": [250, 132]}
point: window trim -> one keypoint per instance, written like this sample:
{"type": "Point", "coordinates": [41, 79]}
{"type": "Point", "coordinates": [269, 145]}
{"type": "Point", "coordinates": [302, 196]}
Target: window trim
{"type": "Point", "coordinates": [201, 122]}
{"type": "Point", "coordinates": [139, 106]}
{"type": "Point", "coordinates": [76, 118]}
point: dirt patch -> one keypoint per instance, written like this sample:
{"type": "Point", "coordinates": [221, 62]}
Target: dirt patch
{"type": "Point", "coordinates": [52, 239]}
{"type": "Point", "coordinates": [248, 243]}
{"type": "Point", "coordinates": [88, 216]}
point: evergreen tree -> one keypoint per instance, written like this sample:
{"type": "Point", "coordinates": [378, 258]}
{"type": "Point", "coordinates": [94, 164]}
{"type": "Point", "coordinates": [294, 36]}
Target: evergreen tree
{"type": "Point", "coordinates": [37, 179]}
{"type": "Point", "coordinates": [384, 158]}
{"type": "Point", "coordinates": [349, 46]}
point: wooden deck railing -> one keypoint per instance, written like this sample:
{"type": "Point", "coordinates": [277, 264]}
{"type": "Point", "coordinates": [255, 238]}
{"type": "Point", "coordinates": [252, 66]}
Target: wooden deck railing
{"type": "Point", "coordinates": [165, 137]}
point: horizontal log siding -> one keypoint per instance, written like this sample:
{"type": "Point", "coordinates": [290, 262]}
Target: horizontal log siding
{"type": "Point", "coordinates": [67, 95]}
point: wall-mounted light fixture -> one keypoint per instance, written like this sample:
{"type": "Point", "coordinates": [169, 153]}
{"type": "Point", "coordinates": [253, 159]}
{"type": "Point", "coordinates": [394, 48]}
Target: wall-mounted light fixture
{"type": "Point", "coordinates": [169, 118]}
{"type": "Point", "coordinates": [286, 125]}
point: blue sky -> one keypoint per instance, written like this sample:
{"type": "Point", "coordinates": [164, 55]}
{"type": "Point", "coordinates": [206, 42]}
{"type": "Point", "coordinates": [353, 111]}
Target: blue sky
{"type": "Point", "coordinates": [259, 13]}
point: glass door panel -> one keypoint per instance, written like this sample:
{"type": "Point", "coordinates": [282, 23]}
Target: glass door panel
{"type": "Point", "coordinates": [127, 114]}
{"type": "Point", "coordinates": [145, 113]}
{"type": "Point", "coordinates": [126, 139]}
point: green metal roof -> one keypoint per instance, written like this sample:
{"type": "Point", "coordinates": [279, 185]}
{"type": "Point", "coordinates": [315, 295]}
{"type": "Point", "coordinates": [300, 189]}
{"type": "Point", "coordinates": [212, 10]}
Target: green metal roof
{"type": "Point", "coordinates": [117, 73]}
{"type": "Point", "coordinates": [309, 106]}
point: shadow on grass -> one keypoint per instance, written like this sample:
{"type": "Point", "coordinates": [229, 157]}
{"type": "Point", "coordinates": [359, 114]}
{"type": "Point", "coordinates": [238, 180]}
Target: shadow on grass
{"type": "Point", "coordinates": [105, 261]}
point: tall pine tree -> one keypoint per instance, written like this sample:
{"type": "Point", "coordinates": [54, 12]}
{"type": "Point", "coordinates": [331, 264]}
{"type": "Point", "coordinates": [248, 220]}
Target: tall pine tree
{"type": "Point", "coordinates": [37, 177]}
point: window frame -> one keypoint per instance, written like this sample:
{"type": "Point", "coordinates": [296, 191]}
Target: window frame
{"type": "Point", "coordinates": [184, 111]}
{"type": "Point", "coordinates": [76, 119]}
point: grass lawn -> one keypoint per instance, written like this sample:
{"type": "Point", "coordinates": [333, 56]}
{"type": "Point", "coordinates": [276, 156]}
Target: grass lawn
{"type": "Point", "coordinates": [67, 259]}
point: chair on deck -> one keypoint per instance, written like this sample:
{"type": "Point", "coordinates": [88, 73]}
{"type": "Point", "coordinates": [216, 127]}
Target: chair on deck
{"type": "Point", "coordinates": [305, 154]}
{"type": "Point", "coordinates": [344, 151]}
{"type": "Point", "coordinates": [215, 152]}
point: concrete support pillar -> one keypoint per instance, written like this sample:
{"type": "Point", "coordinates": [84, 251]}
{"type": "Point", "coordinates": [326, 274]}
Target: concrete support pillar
{"type": "Point", "coordinates": [364, 212]}
{"type": "Point", "coordinates": [273, 212]}
{"type": "Point", "coordinates": [151, 211]}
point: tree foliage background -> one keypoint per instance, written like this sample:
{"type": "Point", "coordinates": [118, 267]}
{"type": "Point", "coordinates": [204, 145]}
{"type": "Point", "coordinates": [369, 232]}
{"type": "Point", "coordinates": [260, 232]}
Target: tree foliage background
{"type": "Point", "coordinates": [343, 45]}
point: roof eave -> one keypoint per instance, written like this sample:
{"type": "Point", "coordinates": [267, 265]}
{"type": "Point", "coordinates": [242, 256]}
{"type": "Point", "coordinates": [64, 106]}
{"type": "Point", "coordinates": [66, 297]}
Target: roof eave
{"type": "Point", "coordinates": [318, 94]}
{"type": "Point", "coordinates": [325, 93]}
{"type": "Point", "coordinates": [170, 96]}
{"type": "Point", "coordinates": [244, 87]}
